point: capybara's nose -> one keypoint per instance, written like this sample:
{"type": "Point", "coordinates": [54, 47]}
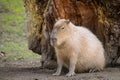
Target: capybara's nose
{"type": "Point", "coordinates": [53, 38]}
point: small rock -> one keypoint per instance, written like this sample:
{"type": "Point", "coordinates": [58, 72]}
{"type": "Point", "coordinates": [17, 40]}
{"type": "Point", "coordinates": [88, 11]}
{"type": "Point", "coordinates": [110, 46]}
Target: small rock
{"type": "Point", "coordinates": [35, 79]}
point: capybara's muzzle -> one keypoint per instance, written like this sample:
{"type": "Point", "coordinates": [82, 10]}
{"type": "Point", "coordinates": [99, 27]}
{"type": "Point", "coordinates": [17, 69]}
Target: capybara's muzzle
{"type": "Point", "coordinates": [53, 38]}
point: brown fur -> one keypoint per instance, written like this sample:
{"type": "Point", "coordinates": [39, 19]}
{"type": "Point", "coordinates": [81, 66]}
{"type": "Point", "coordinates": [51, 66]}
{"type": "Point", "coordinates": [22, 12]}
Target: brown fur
{"type": "Point", "coordinates": [76, 48]}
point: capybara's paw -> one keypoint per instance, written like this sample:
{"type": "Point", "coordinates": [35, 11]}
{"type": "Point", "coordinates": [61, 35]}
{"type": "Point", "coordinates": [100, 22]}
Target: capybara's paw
{"type": "Point", "coordinates": [56, 74]}
{"type": "Point", "coordinates": [70, 74]}
{"type": "Point", "coordinates": [93, 70]}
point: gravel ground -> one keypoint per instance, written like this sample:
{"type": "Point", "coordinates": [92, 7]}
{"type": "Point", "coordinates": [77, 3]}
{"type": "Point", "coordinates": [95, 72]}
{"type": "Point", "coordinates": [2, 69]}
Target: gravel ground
{"type": "Point", "coordinates": [30, 70]}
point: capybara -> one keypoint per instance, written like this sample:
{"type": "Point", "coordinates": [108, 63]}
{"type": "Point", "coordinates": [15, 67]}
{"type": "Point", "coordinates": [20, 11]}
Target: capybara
{"type": "Point", "coordinates": [77, 48]}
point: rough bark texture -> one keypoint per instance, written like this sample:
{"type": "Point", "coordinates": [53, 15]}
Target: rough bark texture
{"type": "Point", "coordinates": [102, 17]}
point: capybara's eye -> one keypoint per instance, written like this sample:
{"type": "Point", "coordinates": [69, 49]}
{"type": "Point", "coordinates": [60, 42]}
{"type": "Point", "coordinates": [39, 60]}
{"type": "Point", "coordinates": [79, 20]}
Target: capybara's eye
{"type": "Point", "coordinates": [62, 28]}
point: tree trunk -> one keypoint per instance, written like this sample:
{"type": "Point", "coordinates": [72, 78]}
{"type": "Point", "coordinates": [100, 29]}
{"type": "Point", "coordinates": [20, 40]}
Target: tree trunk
{"type": "Point", "coordinates": [102, 17]}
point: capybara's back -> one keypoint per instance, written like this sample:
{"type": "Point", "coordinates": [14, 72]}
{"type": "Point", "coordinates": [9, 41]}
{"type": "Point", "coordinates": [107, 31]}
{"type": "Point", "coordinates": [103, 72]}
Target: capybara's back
{"type": "Point", "coordinates": [91, 52]}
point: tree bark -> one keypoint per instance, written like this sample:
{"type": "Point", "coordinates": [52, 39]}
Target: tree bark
{"type": "Point", "coordinates": [102, 17]}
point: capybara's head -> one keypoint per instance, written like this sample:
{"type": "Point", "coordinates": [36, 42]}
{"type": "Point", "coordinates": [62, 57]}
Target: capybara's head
{"type": "Point", "coordinates": [60, 32]}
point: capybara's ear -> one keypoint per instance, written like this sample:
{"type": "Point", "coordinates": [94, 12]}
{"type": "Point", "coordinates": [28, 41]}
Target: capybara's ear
{"type": "Point", "coordinates": [57, 19]}
{"type": "Point", "coordinates": [67, 21]}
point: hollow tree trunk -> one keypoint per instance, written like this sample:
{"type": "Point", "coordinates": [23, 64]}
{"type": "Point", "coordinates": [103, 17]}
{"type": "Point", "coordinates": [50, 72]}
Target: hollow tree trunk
{"type": "Point", "coordinates": [102, 17]}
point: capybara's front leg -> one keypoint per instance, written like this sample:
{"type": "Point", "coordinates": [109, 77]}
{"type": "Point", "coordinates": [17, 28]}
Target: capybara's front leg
{"type": "Point", "coordinates": [59, 68]}
{"type": "Point", "coordinates": [73, 61]}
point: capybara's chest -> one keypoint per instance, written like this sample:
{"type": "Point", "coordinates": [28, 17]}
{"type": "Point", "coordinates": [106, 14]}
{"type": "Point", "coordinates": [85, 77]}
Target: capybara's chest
{"type": "Point", "coordinates": [65, 56]}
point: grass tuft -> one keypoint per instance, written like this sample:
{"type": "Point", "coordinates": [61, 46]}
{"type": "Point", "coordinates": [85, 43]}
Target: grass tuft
{"type": "Point", "coordinates": [13, 39]}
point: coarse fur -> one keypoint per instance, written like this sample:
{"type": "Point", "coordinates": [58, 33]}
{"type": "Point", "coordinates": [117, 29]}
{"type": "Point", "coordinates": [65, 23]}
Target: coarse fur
{"type": "Point", "coordinates": [77, 48]}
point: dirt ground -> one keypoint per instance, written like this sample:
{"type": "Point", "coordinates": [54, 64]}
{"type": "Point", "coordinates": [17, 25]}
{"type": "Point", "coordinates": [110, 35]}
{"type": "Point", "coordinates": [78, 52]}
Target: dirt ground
{"type": "Point", "coordinates": [30, 70]}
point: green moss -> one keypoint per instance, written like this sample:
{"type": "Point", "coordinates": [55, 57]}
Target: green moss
{"type": "Point", "coordinates": [20, 55]}
{"type": "Point", "coordinates": [13, 36]}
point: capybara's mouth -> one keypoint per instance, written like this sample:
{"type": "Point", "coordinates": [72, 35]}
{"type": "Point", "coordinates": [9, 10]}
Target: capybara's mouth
{"type": "Point", "coordinates": [53, 42]}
